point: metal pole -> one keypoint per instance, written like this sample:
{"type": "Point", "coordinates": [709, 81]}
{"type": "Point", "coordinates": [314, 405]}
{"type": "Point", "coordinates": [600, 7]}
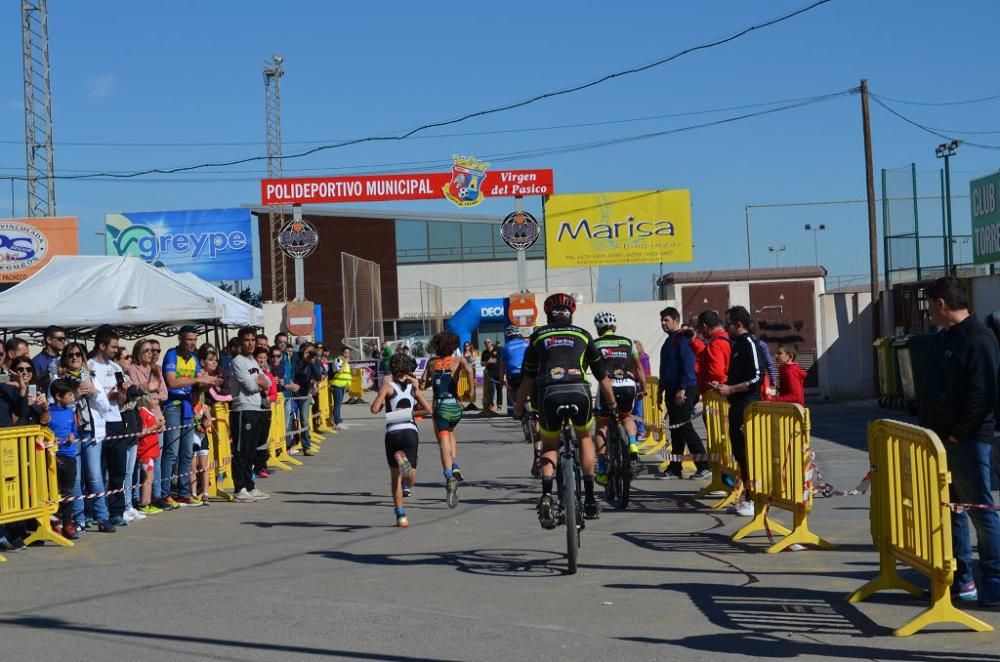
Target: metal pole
{"type": "Point", "coordinates": [944, 224]}
{"type": "Point", "coordinates": [872, 218]}
{"type": "Point", "coordinates": [947, 195]}
{"type": "Point", "coordinates": [886, 253]}
{"type": "Point", "coordinates": [916, 216]}
{"type": "Point", "coordinates": [746, 213]}
{"type": "Point", "coordinates": [300, 263]}
{"type": "Point", "coordinates": [816, 246]}
{"type": "Point", "coordinates": [522, 264]}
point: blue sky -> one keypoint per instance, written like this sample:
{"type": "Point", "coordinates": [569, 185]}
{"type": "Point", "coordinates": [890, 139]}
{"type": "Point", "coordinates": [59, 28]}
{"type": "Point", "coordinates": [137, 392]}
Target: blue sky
{"type": "Point", "coordinates": [190, 72]}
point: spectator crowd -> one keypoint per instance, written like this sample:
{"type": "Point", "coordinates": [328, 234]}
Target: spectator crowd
{"type": "Point", "coordinates": [134, 426]}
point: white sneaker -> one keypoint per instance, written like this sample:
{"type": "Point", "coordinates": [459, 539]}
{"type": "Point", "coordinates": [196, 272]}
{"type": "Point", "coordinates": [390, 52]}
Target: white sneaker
{"type": "Point", "coordinates": [294, 451]}
{"type": "Point", "coordinates": [258, 495]}
{"type": "Point", "coordinates": [340, 426]}
{"type": "Point", "coordinates": [136, 514]}
{"type": "Point", "coordinates": [744, 508]}
{"type": "Point", "coordinates": [244, 497]}
{"type": "Point", "coordinates": [128, 516]}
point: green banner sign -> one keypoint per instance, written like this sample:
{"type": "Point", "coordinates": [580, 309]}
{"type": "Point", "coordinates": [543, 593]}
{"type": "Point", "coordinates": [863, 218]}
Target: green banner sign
{"type": "Point", "coordinates": [985, 196]}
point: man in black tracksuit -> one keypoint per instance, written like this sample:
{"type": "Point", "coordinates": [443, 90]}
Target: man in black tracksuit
{"type": "Point", "coordinates": [742, 388]}
{"type": "Point", "coordinates": [957, 401]}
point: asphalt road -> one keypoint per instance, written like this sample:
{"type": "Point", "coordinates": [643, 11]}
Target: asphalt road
{"type": "Point", "coordinates": [320, 572]}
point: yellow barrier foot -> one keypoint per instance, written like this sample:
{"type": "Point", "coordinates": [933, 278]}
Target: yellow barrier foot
{"type": "Point", "coordinates": [727, 500]}
{"type": "Point", "coordinates": [800, 535]}
{"type": "Point", "coordinates": [887, 580]}
{"type": "Point", "coordinates": [3, 559]}
{"type": "Point", "coordinates": [45, 533]}
{"type": "Point", "coordinates": [757, 524]}
{"type": "Point", "coordinates": [225, 496]}
{"type": "Point", "coordinates": [326, 429]}
{"type": "Point", "coordinates": [941, 611]}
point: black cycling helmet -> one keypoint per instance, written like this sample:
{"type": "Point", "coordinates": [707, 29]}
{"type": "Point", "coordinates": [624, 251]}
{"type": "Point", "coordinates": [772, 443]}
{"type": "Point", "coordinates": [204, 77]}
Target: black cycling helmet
{"type": "Point", "coordinates": [560, 307]}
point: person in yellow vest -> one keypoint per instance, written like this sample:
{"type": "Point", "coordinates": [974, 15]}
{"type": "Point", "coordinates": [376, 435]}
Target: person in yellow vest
{"type": "Point", "coordinates": [341, 371]}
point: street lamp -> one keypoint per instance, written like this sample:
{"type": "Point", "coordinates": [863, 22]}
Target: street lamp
{"type": "Point", "coordinates": [815, 229]}
{"type": "Point", "coordinates": [777, 250]}
{"type": "Point", "coordinates": [946, 151]}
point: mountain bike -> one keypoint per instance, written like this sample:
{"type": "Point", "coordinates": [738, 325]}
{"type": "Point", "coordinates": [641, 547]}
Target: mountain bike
{"type": "Point", "coordinates": [619, 461]}
{"type": "Point", "coordinates": [569, 480]}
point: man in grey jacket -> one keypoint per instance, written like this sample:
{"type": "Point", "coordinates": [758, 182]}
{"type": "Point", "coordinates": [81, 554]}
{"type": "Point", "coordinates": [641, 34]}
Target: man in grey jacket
{"type": "Point", "coordinates": [246, 418]}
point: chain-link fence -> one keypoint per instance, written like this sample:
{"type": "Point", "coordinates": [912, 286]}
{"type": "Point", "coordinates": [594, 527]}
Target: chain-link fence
{"type": "Point", "coordinates": [362, 294]}
{"type": "Point", "coordinates": [431, 308]}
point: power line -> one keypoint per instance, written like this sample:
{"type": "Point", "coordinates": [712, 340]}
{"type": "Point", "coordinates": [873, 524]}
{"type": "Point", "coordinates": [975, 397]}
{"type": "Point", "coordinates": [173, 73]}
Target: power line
{"type": "Point", "coordinates": [436, 136]}
{"type": "Point", "coordinates": [479, 113]}
{"type": "Point", "coordinates": [930, 130]}
{"type": "Point", "coordinates": [504, 156]}
{"type": "Point", "coordinates": [942, 103]}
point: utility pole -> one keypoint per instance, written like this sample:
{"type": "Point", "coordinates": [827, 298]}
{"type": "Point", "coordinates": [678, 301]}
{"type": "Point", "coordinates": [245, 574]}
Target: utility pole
{"type": "Point", "coordinates": [272, 125]}
{"type": "Point", "coordinates": [746, 219]}
{"type": "Point", "coordinates": [619, 290]}
{"type": "Point", "coordinates": [872, 228]}
{"type": "Point", "coordinates": [37, 108]}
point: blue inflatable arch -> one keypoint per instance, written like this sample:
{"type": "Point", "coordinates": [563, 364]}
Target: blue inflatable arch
{"type": "Point", "coordinates": [475, 312]}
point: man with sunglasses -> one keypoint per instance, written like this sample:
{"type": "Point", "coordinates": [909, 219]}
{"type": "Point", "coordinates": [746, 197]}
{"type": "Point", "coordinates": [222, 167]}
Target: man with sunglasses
{"type": "Point", "coordinates": [54, 339]}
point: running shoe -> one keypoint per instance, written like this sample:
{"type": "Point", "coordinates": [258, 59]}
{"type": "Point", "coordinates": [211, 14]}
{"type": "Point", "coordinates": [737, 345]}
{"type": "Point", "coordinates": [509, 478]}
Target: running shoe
{"type": "Point", "coordinates": [106, 526]}
{"type": "Point", "coordinates": [451, 495]}
{"type": "Point", "coordinates": [119, 521]}
{"type": "Point", "coordinates": [669, 475]}
{"type": "Point", "coordinates": [150, 509]}
{"type": "Point", "coordinates": [633, 449]}
{"type": "Point", "coordinates": [244, 497]}
{"type": "Point", "coordinates": [263, 473]}
{"type": "Point", "coordinates": [407, 491]}
{"type": "Point", "coordinates": [592, 510]}
{"type": "Point", "coordinates": [703, 474]}
{"type": "Point", "coordinates": [69, 532]}
{"type": "Point", "coordinates": [457, 473]}
{"type": "Point", "coordinates": [170, 504]}
{"type": "Point", "coordinates": [309, 452]}
{"type": "Point", "coordinates": [402, 522]}
{"type": "Point", "coordinates": [743, 508]}
{"type": "Point", "coordinates": [405, 468]}
{"type": "Point", "coordinates": [601, 478]}
{"type": "Point", "coordinates": [546, 512]}
{"type": "Point", "coordinates": [128, 516]}
{"type": "Point", "coordinates": [258, 495]}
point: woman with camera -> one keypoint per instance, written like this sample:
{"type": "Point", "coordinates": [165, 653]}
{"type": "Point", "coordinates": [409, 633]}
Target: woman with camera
{"type": "Point", "coordinates": [91, 402]}
{"type": "Point", "coordinates": [36, 405]}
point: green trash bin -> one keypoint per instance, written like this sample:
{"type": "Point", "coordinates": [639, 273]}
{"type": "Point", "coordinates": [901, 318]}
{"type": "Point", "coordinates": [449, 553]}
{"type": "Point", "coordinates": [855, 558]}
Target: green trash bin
{"type": "Point", "coordinates": [912, 354]}
{"type": "Point", "coordinates": [888, 373]}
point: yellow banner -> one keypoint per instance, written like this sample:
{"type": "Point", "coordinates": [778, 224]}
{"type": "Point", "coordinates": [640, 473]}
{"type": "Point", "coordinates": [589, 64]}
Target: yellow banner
{"type": "Point", "coordinates": [608, 229]}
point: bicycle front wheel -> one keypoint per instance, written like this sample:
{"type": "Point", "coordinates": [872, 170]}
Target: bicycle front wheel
{"type": "Point", "coordinates": [570, 505]}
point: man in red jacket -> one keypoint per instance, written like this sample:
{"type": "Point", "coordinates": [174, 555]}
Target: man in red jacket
{"type": "Point", "coordinates": [790, 378]}
{"type": "Point", "coordinates": [713, 360]}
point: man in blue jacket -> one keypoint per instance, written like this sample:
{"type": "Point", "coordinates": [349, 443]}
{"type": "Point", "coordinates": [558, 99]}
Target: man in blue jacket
{"type": "Point", "coordinates": [679, 392]}
{"type": "Point", "coordinates": [957, 401]}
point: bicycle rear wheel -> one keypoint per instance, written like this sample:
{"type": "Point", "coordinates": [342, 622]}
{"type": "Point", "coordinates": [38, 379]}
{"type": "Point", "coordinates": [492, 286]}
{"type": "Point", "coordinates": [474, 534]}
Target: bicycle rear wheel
{"type": "Point", "coordinates": [569, 504]}
{"type": "Point", "coordinates": [624, 460]}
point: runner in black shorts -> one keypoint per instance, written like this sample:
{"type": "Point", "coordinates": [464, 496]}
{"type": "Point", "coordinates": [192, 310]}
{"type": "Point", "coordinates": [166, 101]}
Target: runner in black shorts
{"type": "Point", "coordinates": [555, 363]}
{"type": "Point", "coordinates": [621, 363]}
{"type": "Point", "coordinates": [402, 400]}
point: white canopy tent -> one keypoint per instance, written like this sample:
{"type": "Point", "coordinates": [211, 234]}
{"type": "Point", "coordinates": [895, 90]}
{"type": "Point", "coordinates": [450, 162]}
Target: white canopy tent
{"type": "Point", "coordinates": [237, 312]}
{"type": "Point", "coordinates": [85, 291]}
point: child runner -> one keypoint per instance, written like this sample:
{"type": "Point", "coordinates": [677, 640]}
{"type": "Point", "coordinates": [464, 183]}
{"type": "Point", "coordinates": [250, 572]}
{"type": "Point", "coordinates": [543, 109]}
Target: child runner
{"type": "Point", "coordinates": [62, 422]}
{"type": "Point", "coordinates": [399, 394]}
{"type": "Point", "coordinates": [442, 374]}
{"type": "Point", "coordinates": [790, 378]}
{"type": "Point", "coordinates": [149, 450]}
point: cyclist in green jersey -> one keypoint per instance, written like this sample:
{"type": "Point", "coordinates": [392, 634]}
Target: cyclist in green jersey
{"type": "Point", "coordinates": [628, 381]}
{"type": "Point", "coordinates": [554, 367]}
{"type": "Point", "coordinates": [441, 375]}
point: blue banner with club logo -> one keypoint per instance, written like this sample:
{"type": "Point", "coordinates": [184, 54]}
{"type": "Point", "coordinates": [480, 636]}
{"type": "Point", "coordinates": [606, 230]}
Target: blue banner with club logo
{"type": "Point", "coordinates": [214, 244]}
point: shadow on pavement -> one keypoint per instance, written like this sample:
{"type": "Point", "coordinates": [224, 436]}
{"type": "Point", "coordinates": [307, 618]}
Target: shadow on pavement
{"type": "Point", "coordinates": [333, 528]}
{"type": "Point", "coordinates": [695, 541]}
{"type": "Point", "coordinates": [526, 563]}
{"type": "Point", "coordinates": [50, 625]}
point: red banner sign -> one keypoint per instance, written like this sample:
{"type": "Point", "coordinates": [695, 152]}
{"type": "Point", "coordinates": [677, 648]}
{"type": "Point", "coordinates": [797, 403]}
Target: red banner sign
{"type": "Point", "coordinates": [381, 188]}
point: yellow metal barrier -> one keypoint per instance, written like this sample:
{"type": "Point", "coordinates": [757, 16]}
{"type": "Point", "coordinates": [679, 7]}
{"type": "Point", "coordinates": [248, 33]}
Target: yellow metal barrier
{"type": "Point", "coordinates": [28, 480]}
{"type": "Point", "coordinates": [277, 448]}
{"type": "Point", "coordinates": [355, 391]}
{"type": "Point", "coordinates": [778, 453]}
{"type": "Point", "coordinates": [719, 450]}
{"type": "Point", "coordinates": [324, 420]}
{"type": "Point", "coordinates": [910, 522]}
{"type": "Point", "coordinates": [652, 419]}
{"type": "Point", "coordinates": [463, 390]}
{"type": "Point", "coordinates": [220, 475]}
{"type": "Point", "coordinates": [315, 426]}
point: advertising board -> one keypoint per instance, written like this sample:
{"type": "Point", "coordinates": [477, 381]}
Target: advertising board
{"type": "Point", "coordinates": [27, 244]}
{"type": "Point", "coordinates": [608, 229]}
{"type": "Point", "coordinates": [214, 244]}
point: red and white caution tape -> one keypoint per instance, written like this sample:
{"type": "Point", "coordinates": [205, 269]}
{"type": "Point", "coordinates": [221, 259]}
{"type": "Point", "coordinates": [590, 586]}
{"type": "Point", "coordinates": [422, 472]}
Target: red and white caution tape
{"type": "Point", "coordinates": [96, 495]}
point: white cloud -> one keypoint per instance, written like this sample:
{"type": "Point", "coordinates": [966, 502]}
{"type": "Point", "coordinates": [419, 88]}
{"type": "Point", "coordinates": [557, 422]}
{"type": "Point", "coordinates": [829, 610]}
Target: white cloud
{"type": "Point", "coordinates": [102, 86]}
